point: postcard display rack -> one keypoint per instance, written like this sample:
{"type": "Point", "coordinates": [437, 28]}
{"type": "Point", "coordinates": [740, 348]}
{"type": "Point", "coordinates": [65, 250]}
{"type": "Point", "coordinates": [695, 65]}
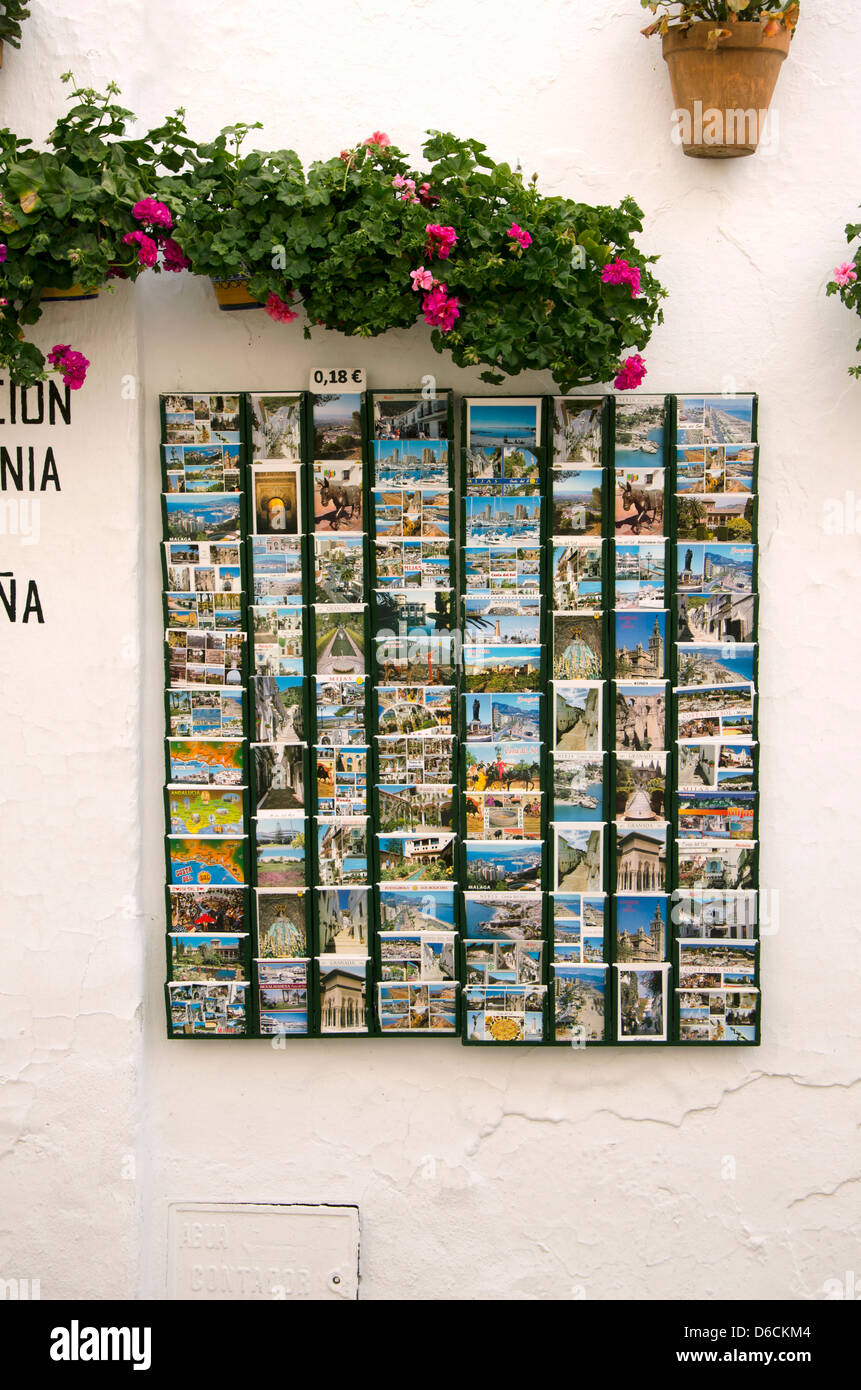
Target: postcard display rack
{"type": "Point", "coordinates": [461, 728]}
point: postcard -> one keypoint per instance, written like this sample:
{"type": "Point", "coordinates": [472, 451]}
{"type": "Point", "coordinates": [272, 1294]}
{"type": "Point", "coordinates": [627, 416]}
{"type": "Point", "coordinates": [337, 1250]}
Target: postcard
{"type": "Point", "coordinates": [716, 724]}
{"type": "Point", "coordinates": [283, 1004]}
{"type": "Point", "coordinates": [412, 513]}
{"type": "Point", "coordinates": [277, 499]}
{"type": "Point", "coordinates": [502, 718]}
{"type": "Point", "coordinates": [502, 471]}
{"type": "Point", "coordinates": [276, 567]}
{"type": "Point", "coordinates": [578, 501]}
{"type": "Point", "coordinates": [578, 715]}
{"type": "Point", "coordinates": [730, 663]}
{"type": "Point", "coordinates": [497, 620]}
{"type": "Point", "coordinates": [198, 811]}
{"type": "Point", "coordinates": [420, 856]}
{"type": "Point", "coordinates": [418, 1007]}
{"type": "Point", "coordinates": [203, 517]}
{"type": "Point", "coordinates": [338, 497]}
{"type": "Point", "coordinates": [715, 517]}
{"type": "Point", "coordinates": [641, 716]}
{"type": "Point", "coordinates": [342, 850]}
{"type": "Point", "coordinates": [411, 414]}
{"type": "Point", "coordinates": [276, 426]}
{"type": "Point", "coordinates": [718, 1015]}
{"type": "Point", "coordinates": [207, 1008]}
{"type": "Point", "coordinates": [413, 564]}
{"type": "Point", "coordinates": [409, 956]}
{"type": "Point", "coordinates": [339, 569]}
{"type": "Point", "coordinates": [204, 956]}
{"type": "Point", "coordinates": [715, 569]}
{"type": "Point", "coordinates": [342, 920]}
{"type": "Point", "coordinates": [579, 928]}
{"type": "Point", "coordinates": [338, 426]}
{"type": "Point", "coordinates": [642, 1003]}
{"type": "Point", "coordinates": [578, 786]}
{"type": "Point", "coordinates": [208, 910]}
{"type": "Point", "coordinates": [510, 915]}
{"type": "Point", "coordinates": [503, 815]}
{"type": "Point", "coordinates": [715, 419]}
{"type": "Point", "coordinates": [204, 610]}
{"type": "Point", "coordinates": [412, 612]}
{"type": "Point", "coordinates": [729, 766]}
{"type": "Point", "coordinates": [641, 857]}
{"type": "Point", "coordinates": [490, 963]}
{"type": "Point", "coordinates": [197, 763]}
{"type": "Point", "coordinates": [498, 666]}
{"type": "Point", "coordinates": [510, 864]}
{"type": "Point", "coordinates": [206, 859]}
{"type": "Point", "coordinates": [202, 568]}
{"type": "Point", "coordinates": [342, 780]}
{"type": "Point", "coordinates": [639, 501]}
{"type": "Point", "coordinates": [577, 574]}
{"type": "Point", "coordinates": [578, 646]}
{"type": "Point", "coordinates": [279, 771]}
{"type": "Point", "coordinates": [412, 806]}
{"type": "Point", "coordinates": [705, 700]}
{"type": "Point", "coordinates": [579, 1003]}
{"type": "Point", "coordinates": [716, 815]}
{"type": "Point", "coordinates": [639, 430]}
{"type": "Point", "coordinates": [641, 927]}
{"type": "Point", "coordinates": [411, 463]}
{"type": "Point", "coordinates": [502, 568]}
{"type": "Point", "coordinates": [283, 930]}
{"type": "Point", "coordinates": [641, 786]}
{"type": "Point", "coordinates": [416, 907]}
{"type": "Point", "coordinates": [640, 574]}
{"type": "Point", "coordinates": [578, 430]}
{"type": "Point", "coordinates": [503, 421]}
{"type": "Point", "coordinates": [339, 703]}
{"type": "Point", "coordinates": [422, 759]}
{"type": "Point", "coordinates": [278, 709]}
{"type": "Point", "coordinates": [340, 640]}
{"type": "Point", "coordinates": [716, 864]}
{"type": "Point", "coordinates": [716, 618]}
{"type": "Point", "coordinates": [578, 858]}
{"type": "Point", "coordinates": [723, 915]}
{"type": "Point", "coordinates": [206, 418]}
{"type": "Point", "coordinates": [280, 843]}
{"type": "Point", "coordinates": [502, 520]}
{"type": "Point", "coordinates": [279, 640]}
{"type": "Point", "coordinates": [717, 964]}
{"type": "Point", "coordinates": [201, 467]}
{"type": "Point", "coordinates": [716, 468]}
{"type": "Point", "coordinates": [414, 709]}
{"type": "Point", "coordinates": [343, 985]}
{"type": "Point", "coordinates": [641, 644]}
{"type": "Point", "coordinates": [405, 660]}
{"type": "Point", "coordinates": [504, 766]}
{"type": "Point", "coordinates": [505, 1013]}
{"type": "Point", "coordinates": [205, 713]}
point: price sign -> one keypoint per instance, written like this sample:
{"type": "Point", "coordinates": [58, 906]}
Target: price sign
{"type": "Point", "coordinates": [330, 379]}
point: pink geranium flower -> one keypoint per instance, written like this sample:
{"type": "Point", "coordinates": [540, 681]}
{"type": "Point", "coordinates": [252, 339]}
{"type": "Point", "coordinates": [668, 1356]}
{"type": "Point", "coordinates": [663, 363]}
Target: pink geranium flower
{"type": "Point", "coordinates": [845, 274]}
{"type": "Point", "coordinates": [621, 273]}
{"type": "Point", "coordinates": [147, 249]}
{"type": "Point", "coordinates": [279, 310]}
{"type": "Point", "coordinates": [3, 253]}
{"type": "Point", "coordinates": [152, 212]}
{"type": "Point", "coordinates": [631, 372]}
{"type": "Point", "coordinates": [380, 138]}
{"type": "Point", "coordinates": [422, 279]}
{"type": "Point", "coordinates": [173, 257]}
{"type": "Point", "coordinates": [440, 308]}
{"type": "Point", "coordinates": [73, 365]}
{"type": "Point", "coordinates": [517, 234]}
{"type": "Point", "coordinates": [440, 240]}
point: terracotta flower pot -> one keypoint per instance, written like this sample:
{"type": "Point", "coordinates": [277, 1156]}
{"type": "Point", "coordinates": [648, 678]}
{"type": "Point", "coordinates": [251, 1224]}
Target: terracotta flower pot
{"type": "Point", "coordinates": [233, 294]}
{"type": "Point", "coordinates": [722, 92]}
{"type": "Point", "coordinates": [70, 292]}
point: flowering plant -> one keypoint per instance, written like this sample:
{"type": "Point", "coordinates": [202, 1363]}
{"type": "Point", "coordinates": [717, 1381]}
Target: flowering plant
{"type": "Point", "coordinates": [847, 282]}
{"type": "Point", "coordinates": [80, 212]}
{"type": "Point", "coordinates": [775, 14]}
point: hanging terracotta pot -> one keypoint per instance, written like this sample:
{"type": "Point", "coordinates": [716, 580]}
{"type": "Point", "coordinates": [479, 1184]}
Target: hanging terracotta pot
{"type": "Point", "coordinates": [70, 292]}
{"type": "Point", "coordinates": [233, 293]}
{"type": "Point", "coordinates": [722, 88]}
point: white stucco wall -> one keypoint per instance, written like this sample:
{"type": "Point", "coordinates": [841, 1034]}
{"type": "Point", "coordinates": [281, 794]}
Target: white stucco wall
{"type": "Point", "coordinates": [534, 1174]}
